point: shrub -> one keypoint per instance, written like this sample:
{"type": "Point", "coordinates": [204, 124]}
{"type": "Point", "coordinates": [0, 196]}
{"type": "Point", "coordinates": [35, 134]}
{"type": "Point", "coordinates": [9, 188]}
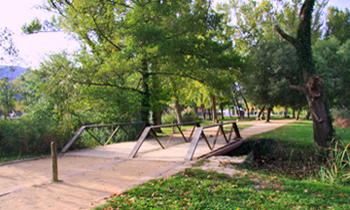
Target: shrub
{"type": "Point", "coordinates": [189, 115]}
{"type": "Point", "coordinates": [169, 118]}
{"type": "Point", "coordinates": [337, 167]}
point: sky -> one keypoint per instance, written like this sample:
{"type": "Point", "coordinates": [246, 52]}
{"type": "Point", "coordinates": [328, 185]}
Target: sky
{"type": "Point", "coordinates": [33, 49]}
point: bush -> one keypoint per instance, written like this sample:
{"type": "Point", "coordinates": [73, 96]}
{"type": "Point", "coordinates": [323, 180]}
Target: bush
{"type": "Point", "coordinates": [169, 118]}
{"type": "Point", "coordinates": [337, 167]}
{"type": "Point", "coordinates": [341, 117]}
{"type": "Point", "coordinates": [189, 115]}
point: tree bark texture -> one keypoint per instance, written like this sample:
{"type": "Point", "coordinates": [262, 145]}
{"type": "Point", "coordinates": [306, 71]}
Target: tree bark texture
{"type": "Point", "coordinates": [203, 113]}
{"type": "Point", "coordinates": [157, 120]}
{"type": "Point", "coordinates": [268, 114]}
{"type": "Point", "coordinates": [246, 106]}
{"type": "Point", "coordinates": [213, 107]}
{"type": "Point", "coordinates": [313, 88]}
{"type": "Point", "coordinates": [298, 114]}
{"type": "Point", "coordinates": [178, 111]}
{"type": "Point", "coordinates": [260, 112]}
{"type": "Point", "coordinates": [222, 111]}
{"type": "Point", "coordinates": [145, 97]}
{"type": "Point", "coordinates": [285, 112]}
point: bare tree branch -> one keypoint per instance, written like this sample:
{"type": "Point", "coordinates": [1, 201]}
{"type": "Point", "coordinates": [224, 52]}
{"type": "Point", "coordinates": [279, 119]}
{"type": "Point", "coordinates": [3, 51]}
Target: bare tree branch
{"type": "Point", "coordinates": [300, 88]}
{"type": "Point", "coordinates": [288, 38]}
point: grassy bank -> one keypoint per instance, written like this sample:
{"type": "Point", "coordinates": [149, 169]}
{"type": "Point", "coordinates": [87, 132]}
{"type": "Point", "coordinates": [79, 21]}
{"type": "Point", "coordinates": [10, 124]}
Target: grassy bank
{"type": "Point", "coordinates": [196, 189]}
{"type": "Point", "coordinates": [290, 181]}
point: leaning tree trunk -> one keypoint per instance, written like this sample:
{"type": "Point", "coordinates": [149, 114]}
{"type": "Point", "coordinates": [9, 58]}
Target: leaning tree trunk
{"type": "Point", "coordinates": [298, 113]}
{"type": "Point", "coordinates": [260, 112]}
{"type": "Point", "coordinates": [313, 88]}
{"type": "Point", "coordinates": [246, 106]}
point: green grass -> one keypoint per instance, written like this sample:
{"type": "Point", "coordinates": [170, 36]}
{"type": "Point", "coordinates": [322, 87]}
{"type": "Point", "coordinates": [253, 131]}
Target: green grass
{"type": "Point", "coordinates": [289, 181]}
{"type": "Point", "coordinates": [197, 189]}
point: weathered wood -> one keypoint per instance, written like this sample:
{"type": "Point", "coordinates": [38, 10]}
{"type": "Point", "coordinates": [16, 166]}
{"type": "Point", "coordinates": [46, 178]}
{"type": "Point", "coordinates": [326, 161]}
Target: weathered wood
{"type": "Point", "coordinates": [223, 133]}
{"type": "Point", "coordinates": [238, 135]}
{"type": "Point", "coordinates": [216, 137]}
{"type": "Point", "coordinates": [54, 161]}
{"type": "Point", "coordinates": [115, 130]}
{"type": "Point", "coordinates": [153, 133]}
{"type": "Point", "coordinates": [182, 133]}
{"type": "Point", "coordinates": [94, 137]}
{"type": "Point", "coordinates": [85, 127]}
{"type": "Point", "coordinates": [139, 142]}
{"type": "Point", "coordinates": [194, 144]}
{"type": "Point", "coordinates": [65, 148]}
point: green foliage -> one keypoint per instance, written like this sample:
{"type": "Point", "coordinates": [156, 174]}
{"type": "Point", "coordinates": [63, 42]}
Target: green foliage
{"type": "Point", "coordinates": [332, 64]}
{"type": "Point", "coordinates": [7, 99]}
{"type": "Point", "coordinates": [337, 167]}
{"type": "Point", "coordinates": [338, 24]}
{"type": "Point", "coordinates": [9, 52]}
{"type": "Point", "coordinates": [197, 189]}
{"type": "Point", "coordinates": [189, 115]}
{"type": "Point", "coordinates": [137, 46]}
{"type": "Point", "coordinates": [274, 70]}
{"type": "Point", "coordinates": [169, 118]}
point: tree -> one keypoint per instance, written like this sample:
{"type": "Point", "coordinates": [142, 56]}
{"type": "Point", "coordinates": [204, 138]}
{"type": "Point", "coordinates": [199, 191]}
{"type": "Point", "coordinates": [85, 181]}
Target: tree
{"type": "Point", "coordinates": [338, 24]}
{"type": "Point", "coordinates": [313, 87]}
{"type": "Point", "coordinates": [332, 64]}
{"type": "Point", "coordinates": [7, 99]}
{"type": "Point", "coordinates": [126, 44]}
{"type": "Point", "coordinates": [6, 43]}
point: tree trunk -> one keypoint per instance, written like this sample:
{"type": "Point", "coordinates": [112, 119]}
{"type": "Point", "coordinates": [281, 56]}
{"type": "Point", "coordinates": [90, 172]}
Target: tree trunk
{"type": "Point", "coordinates": [246, 106]}
{"type": "Point", "coordinates": [308, 114]}
{"type": "Point", "coordinates": [145, 95]}
{"type": "Point", "coordinates": [285, 112]}
{"type": "Point", "coordinates": [229, 112]}
{"type": "Point", "coordinates": [293, 113]}
{"type": "Point", "coordinates": [259, 113]}
{"type": "Point", "coordinates": [157, 120]}
{"type": "Point", "coordinates": [222, 111]}
{"type": "Point", "coordinates": [178, 111]}
{"type": "Point", "coordinates": [203, 113]}
{"type": "Point", "coordinates": [209, 114]}
{"type": "Point", "coordinates": [268, 114]}
{"type": "Point", "coordinates": [195, 107]}
{"type": "Point", "coordinates": [313, 88]}
{"type": "Point", "coordinates": [298, 113]}
{"type": "Point", "coordinates": [213, 107]}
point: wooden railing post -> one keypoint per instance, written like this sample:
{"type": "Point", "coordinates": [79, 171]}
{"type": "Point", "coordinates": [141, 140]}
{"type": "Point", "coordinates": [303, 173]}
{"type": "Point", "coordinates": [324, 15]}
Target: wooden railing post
{"type": "Point", "coordinates": [54, 161]}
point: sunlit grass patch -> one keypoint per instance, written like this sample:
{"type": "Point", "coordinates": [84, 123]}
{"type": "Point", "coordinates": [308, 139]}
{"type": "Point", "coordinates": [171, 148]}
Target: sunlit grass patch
{"type": "Point", "coordinates": [197, 189]}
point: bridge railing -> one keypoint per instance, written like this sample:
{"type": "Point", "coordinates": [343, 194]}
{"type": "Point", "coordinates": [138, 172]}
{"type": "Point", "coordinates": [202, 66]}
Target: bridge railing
{"type": "Point", "coordinates": [151, 130]}
{"type": "Point", "coordinates": [199, 134]}
{"type": "Point", "coordinates": [87, 127]}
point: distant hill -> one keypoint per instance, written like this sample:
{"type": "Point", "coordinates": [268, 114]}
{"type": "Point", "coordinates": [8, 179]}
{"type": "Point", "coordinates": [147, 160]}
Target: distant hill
{"type": "Point", "coordinates": [12, 72]}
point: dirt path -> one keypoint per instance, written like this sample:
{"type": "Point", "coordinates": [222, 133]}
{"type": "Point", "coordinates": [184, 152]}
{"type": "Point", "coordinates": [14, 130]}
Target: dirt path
{"type": "Point", "coordinates": [86, 181]}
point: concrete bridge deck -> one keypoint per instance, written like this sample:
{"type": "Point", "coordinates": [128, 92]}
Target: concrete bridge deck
{"type": "Point", "coordinates": [91, 175]}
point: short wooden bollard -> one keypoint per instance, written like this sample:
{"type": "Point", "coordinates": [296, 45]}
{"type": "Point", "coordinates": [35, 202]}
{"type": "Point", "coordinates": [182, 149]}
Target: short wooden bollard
{"type": "Point", "coordinates": [54, 161]}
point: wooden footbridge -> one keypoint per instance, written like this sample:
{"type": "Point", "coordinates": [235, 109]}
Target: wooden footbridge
{"type": "Point", "coordinates": [199, 141]}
